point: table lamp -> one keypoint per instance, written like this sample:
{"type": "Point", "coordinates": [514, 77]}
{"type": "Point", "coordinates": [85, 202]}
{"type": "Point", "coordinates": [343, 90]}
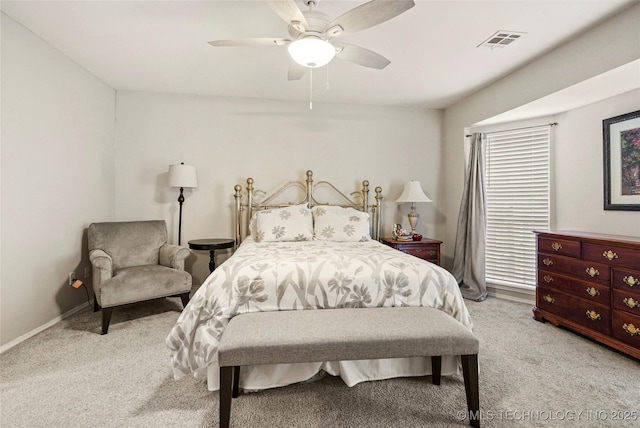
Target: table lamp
{"type": "Point", "coordinates": [413, 193]}
{"type": "Point", "coordinates": [182, 176]}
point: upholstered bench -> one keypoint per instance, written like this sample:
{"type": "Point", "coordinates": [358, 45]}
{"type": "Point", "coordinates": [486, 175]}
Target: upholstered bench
{"type": "Point", "coordinates": [345, 334]}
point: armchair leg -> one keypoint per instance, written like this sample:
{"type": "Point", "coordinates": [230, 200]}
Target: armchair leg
{"type": "Point", "coordinates": [96, 306]}
{"type": "Point", "coordinates": [106, 319]}
{"type": "Point", "coordinates": [185, 299]}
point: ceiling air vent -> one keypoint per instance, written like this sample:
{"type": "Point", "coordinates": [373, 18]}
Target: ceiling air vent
{"type": "Point", "coordinates": [501, 39]}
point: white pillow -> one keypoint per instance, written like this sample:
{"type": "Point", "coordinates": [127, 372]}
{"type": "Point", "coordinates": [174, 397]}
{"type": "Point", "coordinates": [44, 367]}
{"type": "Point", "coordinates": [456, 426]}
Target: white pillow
{"type": "Point", "coordinates": [293, 223]}
{"type": "Point", "coordinates": [338, 224]}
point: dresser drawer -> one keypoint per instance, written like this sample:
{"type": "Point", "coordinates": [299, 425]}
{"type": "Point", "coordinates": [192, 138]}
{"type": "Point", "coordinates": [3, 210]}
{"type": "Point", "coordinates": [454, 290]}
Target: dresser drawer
{"type": "Point", "coordinates": [583, 312]}
{"type": "Point", "coordinates": [616, 256]}
{"type": "Point", "coordinates": [591, 291]}
{"type": "Point", "coordinates": [582, 270]}
{"type": "Point", "coordinates": [626, 279]}
{"type": "Point", "coordinates": [626, 327]}
{"type": "Point", "coordinates": [563, 247]}
{"type": "Point", "coordinates": [628, 301]}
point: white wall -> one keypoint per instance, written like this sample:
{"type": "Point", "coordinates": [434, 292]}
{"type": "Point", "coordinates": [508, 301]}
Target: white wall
{"type": "Point", "coordinates": [229, 140]}
{"type": "Point", "coordinates": [578, 170]}
{"type": "Point", "coordinates": [57, 177]}
{"type": "Point", "coordinates": [609, 45]}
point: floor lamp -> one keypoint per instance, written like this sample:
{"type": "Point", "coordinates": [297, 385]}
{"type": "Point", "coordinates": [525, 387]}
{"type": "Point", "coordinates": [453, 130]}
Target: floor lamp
{"type": "Point", "coordinates": [182, 176]}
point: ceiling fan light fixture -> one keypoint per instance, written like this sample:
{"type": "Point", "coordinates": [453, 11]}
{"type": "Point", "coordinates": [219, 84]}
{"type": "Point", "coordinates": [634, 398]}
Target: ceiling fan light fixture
{"type": "Point", "coordinates": [312, 52]}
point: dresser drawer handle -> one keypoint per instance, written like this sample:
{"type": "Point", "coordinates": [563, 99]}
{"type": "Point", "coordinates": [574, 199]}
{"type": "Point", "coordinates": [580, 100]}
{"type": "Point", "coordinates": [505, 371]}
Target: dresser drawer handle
{"type": "Point", "coordinates": [630, 281]}
{"type": "Point", "coordinates": [591, 271]}
{"type": "Point", "coordinates": [631, 303]}
{"type": "Point", "coordinates": [609, 255]}
{"type": "Point", "coordinates": [548, 299]}
{"type": "Point", "coordinates": [547, 262]}
{"type": "Point", "coordinates": [432, 253]}
{"type": "Point", "coordinates": [556, 246]}
{"type": "Point", "coordinates": [593, 315]}
{"type": "Point", "coordinates": [593, 292]}
{"type": "Point", "coordinates": [548, 279]}
{"type": "Point", "coordinates": [631, 329]}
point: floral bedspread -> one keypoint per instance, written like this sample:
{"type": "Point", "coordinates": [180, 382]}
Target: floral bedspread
{"type": "Point", "coordinates": [274, 276]}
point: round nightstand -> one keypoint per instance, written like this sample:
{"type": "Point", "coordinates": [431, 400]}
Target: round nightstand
{"type": "Point", "coordinates": [211, 245]}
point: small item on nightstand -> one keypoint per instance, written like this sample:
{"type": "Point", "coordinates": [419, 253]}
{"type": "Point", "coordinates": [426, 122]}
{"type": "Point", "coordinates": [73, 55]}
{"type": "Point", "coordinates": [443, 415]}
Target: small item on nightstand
{"type": "Point", "coordinates": [417, 237]}
{"type": "Point", "coordinates": [397, 228]}
{"type": "Point", "coordinates": [400, 234]}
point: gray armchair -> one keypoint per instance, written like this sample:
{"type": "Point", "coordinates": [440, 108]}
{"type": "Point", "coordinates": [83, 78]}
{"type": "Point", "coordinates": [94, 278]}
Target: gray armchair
{"type": "Point", "coordinates": [132, 262]}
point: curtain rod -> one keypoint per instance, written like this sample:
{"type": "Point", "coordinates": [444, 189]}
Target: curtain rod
{"type": "Point", "coordinates": [524, 127]}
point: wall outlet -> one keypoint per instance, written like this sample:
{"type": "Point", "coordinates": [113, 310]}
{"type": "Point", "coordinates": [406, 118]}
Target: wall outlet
{"type": "Point", "coordinates": [72, 277]}
{"type": "Point", "coordinates": [87, 272]}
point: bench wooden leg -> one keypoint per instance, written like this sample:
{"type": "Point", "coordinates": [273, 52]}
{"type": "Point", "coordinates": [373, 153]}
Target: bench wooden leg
{"type": "Point", "coordinates": [226, 376]}
{"type": "Point", "coordinates": [236, 381]}
{"type": "Point", "coordinates": [471, 387]}
{"type": "Point", "coordinates": [436, 369]}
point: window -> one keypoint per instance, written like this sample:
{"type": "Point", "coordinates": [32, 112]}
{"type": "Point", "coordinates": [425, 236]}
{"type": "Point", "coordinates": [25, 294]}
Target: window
{"type": "Point", "coordinates": [517, 202]}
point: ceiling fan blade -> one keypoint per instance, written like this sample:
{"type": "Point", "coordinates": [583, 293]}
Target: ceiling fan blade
{"type": "Point", "coordinates": [361, 56]}
{"type": "Point", "coordinates": [265, 41]}
{"type": "Point", "coordinates": [296, 71]}
{"type": "Point", "coordinates": [367, 15]}
{"type": "Point", "coordinates": [290, 13]}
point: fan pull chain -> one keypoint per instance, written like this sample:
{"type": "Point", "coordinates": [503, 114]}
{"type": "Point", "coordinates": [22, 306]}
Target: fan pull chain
{"type": "Point", "coordinates": [327, 84]}
{"type": "Point", "coordinates": [311, 89]}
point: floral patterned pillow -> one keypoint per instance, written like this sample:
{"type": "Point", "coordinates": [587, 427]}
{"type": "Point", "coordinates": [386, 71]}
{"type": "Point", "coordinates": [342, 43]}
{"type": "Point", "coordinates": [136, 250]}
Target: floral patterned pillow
{"type": "Point", "coordinates": [293, 223]}
{"type": "Point", "coordinates": [338, 224]}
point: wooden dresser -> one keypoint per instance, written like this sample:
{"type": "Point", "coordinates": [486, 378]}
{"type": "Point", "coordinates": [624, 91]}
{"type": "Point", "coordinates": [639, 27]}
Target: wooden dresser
{"type": "Point", "coordinates": [590, 283]}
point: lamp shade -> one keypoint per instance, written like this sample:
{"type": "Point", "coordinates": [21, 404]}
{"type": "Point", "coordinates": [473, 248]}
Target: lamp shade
{"type": "Point", "coordinates": [413, 193]}
{"type": "Point", "coordinates": [312, 52]}
{"type": "Point", "coordinates": [183, 176]}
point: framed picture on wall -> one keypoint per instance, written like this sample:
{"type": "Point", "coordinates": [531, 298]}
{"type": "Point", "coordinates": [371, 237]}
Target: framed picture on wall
{"type": "Point", "coordinates": [621, 137]}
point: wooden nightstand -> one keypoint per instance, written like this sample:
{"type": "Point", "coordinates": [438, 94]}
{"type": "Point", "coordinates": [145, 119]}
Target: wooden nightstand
{"type": "Point", "coordinates": [426, 249]}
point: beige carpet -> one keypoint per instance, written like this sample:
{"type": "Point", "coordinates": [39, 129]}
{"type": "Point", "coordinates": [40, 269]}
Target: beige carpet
{"type": "Point", "coordinates": [531, 374]}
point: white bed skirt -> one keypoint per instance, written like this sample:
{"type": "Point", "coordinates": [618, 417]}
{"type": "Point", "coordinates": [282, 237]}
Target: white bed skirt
{"type": "Point", "coordinates": [351, 372]}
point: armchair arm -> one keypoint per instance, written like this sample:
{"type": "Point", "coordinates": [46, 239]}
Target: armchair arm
{"type": "Point", "coordinates": [102, 267]}
{"type": "Point", "coordinates": [173, 256]}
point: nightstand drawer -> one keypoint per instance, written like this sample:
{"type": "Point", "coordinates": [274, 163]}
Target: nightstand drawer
{"type": "Point", "coordinates": [427, 253]}
{"type": "Point", "coordinates": [425, 249]}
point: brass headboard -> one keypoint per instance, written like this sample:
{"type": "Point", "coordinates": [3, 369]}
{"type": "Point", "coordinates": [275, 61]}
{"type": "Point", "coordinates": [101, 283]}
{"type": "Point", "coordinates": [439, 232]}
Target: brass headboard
{"type": "Point", "coordinates": [254, 200]}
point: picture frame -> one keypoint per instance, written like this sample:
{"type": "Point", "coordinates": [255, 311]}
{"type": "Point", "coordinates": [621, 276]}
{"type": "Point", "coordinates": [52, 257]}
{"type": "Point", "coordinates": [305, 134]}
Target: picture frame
{"type": "Point", "coordinates": [621, 138]}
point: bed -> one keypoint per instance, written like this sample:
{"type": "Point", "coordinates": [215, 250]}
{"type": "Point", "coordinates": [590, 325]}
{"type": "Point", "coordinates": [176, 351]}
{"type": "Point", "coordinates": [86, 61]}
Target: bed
{"type": "Point", "coordinates": [309, 246]}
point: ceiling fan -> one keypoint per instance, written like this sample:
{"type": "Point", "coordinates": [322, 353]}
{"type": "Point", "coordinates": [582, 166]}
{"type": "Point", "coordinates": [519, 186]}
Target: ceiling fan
{"type": "Point", "coordinates": [312, 32]}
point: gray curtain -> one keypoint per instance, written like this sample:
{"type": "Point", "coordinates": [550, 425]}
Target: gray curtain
{"type": "Point", "coordinates": [468, 256]}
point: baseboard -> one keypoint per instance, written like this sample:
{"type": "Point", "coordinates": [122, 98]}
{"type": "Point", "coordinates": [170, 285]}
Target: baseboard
{"type": "Point", "coordinates": [514, 294]}
{"type": "Point", "coordinates": [43, 327]}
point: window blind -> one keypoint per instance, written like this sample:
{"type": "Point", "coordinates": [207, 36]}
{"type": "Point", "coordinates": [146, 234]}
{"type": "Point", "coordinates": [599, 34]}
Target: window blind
{"type": "Point", "coordinates": [516, 202]}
